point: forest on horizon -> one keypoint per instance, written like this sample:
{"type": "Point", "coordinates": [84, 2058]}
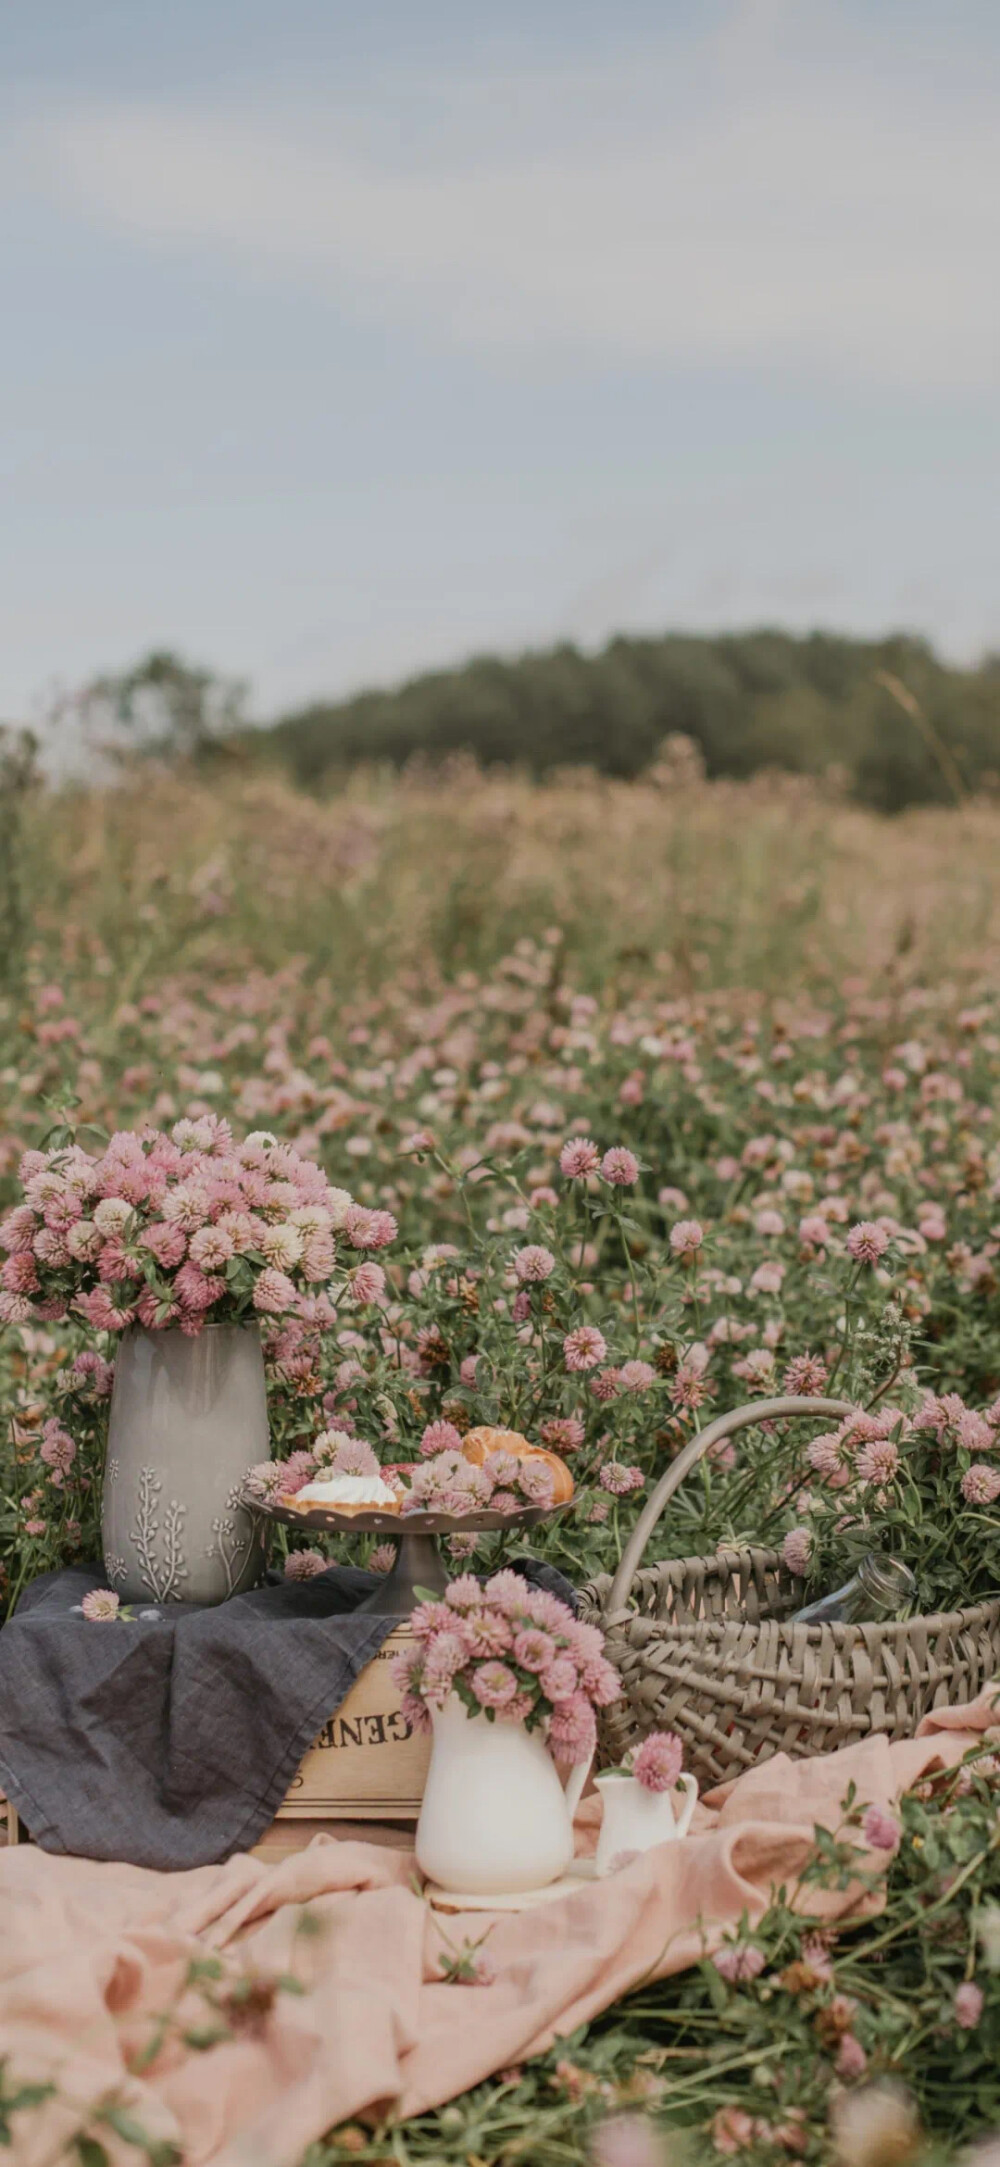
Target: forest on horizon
{"type": "Point", "coordinates": [886, 722]}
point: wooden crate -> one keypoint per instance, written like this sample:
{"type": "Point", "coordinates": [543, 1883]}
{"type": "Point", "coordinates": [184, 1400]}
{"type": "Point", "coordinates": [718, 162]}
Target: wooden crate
{"type": "Point", "coordinates": [367, 1763]}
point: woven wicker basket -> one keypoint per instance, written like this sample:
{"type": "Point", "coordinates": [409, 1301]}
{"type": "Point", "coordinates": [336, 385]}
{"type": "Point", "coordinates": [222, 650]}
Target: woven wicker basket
{"type": "Point", "coordinates": [703, 1647]}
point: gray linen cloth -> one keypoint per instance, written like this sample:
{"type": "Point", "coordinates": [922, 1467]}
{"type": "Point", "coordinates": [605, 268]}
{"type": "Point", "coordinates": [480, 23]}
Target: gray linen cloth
{"type": "Point", "coordinates": [170, 1740]}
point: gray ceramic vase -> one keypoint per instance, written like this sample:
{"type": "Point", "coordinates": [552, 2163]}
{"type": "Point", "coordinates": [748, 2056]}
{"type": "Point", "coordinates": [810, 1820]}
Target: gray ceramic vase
{"type": "Point", "coordinates": [188, 1418]}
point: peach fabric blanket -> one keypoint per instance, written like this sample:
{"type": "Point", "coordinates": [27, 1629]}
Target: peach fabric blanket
{"type": "Point", "coordinates": [91, 1953]}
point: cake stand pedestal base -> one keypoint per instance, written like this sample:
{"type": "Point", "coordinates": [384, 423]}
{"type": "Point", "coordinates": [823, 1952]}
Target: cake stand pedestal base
{"type": "Point", "coordinates": [418, 1564]}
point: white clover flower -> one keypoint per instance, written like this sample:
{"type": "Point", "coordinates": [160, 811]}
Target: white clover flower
{"type": "Point", "coordinates": [310, 1219]}
{"type": "Point", "coordinates": [83, 1240]}
{"type": "Point", "coordinates": [327, 1445]}
{"type": "Point", "coordinates": [282, 1245]}
{"type": "Point", "coordinates": [112, 1214]}
{"type": "Point", "coordinates": [193, 1135]}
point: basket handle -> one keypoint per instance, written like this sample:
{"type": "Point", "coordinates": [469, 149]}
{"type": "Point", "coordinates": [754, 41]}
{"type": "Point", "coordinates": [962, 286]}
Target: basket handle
{"type": "Point", "coordinates": [739, 1418]}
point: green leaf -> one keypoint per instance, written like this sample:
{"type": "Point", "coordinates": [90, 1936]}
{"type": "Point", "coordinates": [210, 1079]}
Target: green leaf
{"type": "Point", "coordinates": [29, 2095]}
{"type": "Point", "coordinates": [203, 2036]}
{"type": "Point", "coordinates": [203, 1967]}
{"type": "Point", "coordinates": [124, 2125]}
{"type": "Point", "coordinates": [713, 1982]}
{"type": "Point", "coordinates": [90, 2152]}
{"type": "Point", "coordinates": [160, 2151]}
{"type": "Point", "coordinates": [57, 1138]}
{"type": "Point", "coordinates": [146, 2055]}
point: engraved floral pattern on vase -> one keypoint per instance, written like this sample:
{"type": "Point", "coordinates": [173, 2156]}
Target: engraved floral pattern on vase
{"type": "Point", "coordinates": [188, 1420]}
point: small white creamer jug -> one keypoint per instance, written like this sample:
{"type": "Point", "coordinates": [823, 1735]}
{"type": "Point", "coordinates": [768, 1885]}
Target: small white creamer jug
{"type": "Point", "coordinates": [634, 1818]}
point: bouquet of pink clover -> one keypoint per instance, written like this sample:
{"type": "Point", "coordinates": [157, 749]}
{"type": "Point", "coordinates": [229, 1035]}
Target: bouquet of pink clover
{"type": "Point", "coordinates": [181, 1230]}
{"type": "Point", "coordinates": [511, 1653]}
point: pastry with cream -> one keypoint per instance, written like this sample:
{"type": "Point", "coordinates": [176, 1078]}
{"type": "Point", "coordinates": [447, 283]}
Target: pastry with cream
{"type": "Point", "coordinates": [344, 1493]}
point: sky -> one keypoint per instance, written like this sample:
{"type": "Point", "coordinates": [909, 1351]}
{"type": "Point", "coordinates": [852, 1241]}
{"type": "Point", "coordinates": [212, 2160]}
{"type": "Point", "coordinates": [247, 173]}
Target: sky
{"type": "Point", "coordinates": [340, 342]}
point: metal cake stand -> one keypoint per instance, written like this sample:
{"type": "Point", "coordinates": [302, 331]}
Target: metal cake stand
{"type": "Point", "coordinates": [418, 1562]}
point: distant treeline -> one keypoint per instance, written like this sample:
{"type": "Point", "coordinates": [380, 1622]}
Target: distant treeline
{"type": "Point", "coordinates": [885, 719]}
{"type": "Point", "coordinates": [888, 718]}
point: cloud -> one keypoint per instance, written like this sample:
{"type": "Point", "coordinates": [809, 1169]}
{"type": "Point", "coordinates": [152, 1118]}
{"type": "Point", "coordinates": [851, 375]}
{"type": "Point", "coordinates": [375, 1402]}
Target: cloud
{"type": "Point", "coordinates": [736, 204]}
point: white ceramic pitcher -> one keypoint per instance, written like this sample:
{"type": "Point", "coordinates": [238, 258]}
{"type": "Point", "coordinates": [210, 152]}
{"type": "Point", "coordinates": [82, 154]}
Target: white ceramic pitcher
{"type": "Point", "coordinates": [495, 1818]}
{"type": "Point", "coordinates": [634, 1818]}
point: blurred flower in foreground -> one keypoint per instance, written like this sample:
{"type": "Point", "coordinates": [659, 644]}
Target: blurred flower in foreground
{"type": "Point", "coordinates": [880, 1829]}
{"type": "Point", "coordinates": [877, 2126]}
{"type": "Point", "coordinates": [988, 1931]}
{"type": "Point", "coordinates": [986, 2154]}
{"type": "Point", "coordinates": [628, 2140]}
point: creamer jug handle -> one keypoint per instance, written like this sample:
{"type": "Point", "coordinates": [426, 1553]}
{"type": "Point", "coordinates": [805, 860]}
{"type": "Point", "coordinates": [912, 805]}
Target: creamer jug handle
{"type": "Point", "coordinates": [690, 1785]}
{"type": "Point", "coordinates": [575, 1781]}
